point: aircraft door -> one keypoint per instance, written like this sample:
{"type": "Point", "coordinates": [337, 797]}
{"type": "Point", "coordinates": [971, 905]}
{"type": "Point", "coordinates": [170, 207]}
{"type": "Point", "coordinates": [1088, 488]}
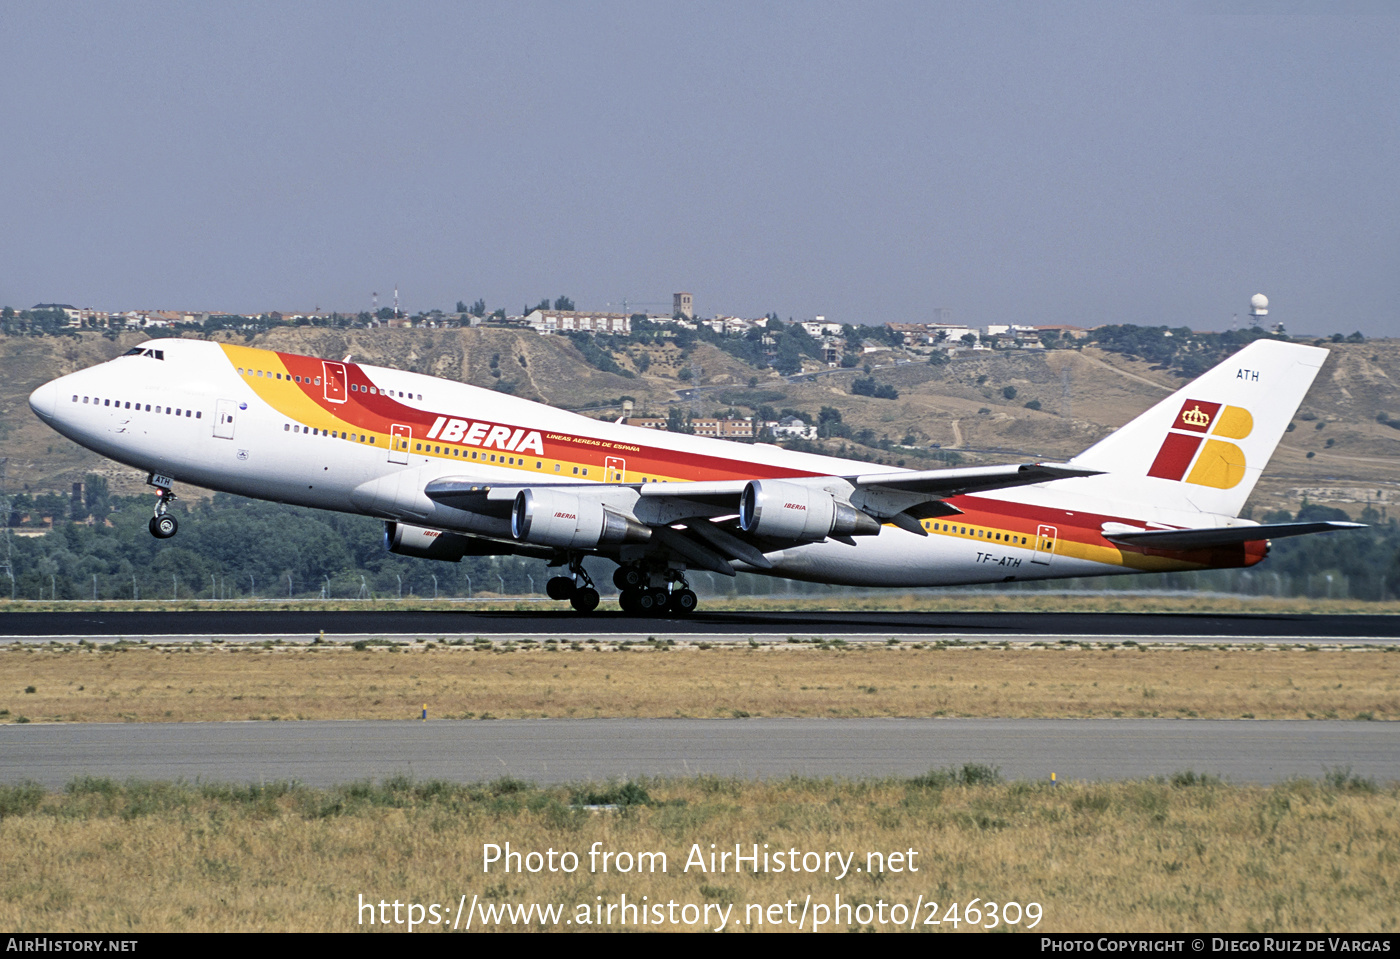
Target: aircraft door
{"type": "Point", "coordinates": [224, 412]}
{"type": "Point", "coordinates": [336, 382]}
{"type": "Point", "coordinates": [1045, 537]}
{"type": "Point", "coordinates": [614, 469]}
{"type": "Point", "coordinates": [399, 437]}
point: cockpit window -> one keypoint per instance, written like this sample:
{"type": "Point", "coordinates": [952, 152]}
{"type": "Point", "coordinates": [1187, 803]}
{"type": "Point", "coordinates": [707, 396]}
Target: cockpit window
{"type": "Point", "coordinates": [138, 351]}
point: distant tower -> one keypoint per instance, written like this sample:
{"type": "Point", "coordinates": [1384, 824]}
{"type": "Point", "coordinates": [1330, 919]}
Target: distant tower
{"type": "Point", "coordinates": [373, 303]}
{"type": "Point", "coordinates": [680, 303]}
{"type": "Point", "coordinates": [1258, 305]}
{"type": "Point", "coordinates": [396, 301]}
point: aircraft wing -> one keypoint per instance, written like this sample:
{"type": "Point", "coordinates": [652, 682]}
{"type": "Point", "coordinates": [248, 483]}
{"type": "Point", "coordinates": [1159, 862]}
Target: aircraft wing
{"type": "Point", "coordinates": [1218, 536]}
{"type": "Point", "coordinates": [975, 479]}
{"type": "Point", "coordinates": [726, 520]}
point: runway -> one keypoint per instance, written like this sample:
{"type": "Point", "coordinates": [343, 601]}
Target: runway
{"type": "Point", "coordinates": [324, 753]}
{"type": "Point", "coordinates": [551, 751]}
{"type": "Point", "coordinates": [305, 625]}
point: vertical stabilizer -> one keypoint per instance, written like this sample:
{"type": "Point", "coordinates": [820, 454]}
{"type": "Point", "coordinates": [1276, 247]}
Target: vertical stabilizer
{"type": "Point", "coordinates": [1205, 445]}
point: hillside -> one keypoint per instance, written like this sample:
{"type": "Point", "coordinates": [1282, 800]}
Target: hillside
{"type": "Point", "coordinates": [961, 406]}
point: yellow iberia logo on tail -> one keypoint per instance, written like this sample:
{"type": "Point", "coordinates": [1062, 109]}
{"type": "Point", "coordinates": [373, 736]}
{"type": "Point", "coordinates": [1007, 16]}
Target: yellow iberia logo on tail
{"type": "Point", "coordinates": [1217, 463]}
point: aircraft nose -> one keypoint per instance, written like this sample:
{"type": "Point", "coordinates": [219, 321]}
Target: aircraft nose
{"type": "Point", "coordinates": [44, 400]}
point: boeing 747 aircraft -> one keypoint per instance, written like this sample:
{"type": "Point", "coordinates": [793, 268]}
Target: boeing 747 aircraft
{"type": "Point", "coordinates": [455, 470]}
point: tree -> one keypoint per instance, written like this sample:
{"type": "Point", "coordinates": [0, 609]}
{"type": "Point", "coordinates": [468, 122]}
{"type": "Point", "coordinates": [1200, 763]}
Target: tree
{"type": "Point", "coordinates": [868, 387]}
{"type": "Point", "coordinates": [564, 303]}
{"type": "Point", "coordinates": [677, 421]}
{"type": "Point", "coordinates": [478, 308]}
{"type": "Point", "coordinates": [96, 495]}
{"type": "Point", "coordinates": [1009, 392]}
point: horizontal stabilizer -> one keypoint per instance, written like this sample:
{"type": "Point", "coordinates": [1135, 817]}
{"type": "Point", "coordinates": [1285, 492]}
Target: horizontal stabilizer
{"type": "Point", "coordinates": [1221, 535]}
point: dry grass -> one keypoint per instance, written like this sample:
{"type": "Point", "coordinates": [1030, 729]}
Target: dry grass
{"type": "Point", "coordinates": [1151, 856]}
{"type": "Point", "coordinates": [215, 682]}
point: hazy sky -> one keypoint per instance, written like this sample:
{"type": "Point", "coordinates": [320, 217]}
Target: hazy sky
{"type": "Point", "coordinates": [1018, 162]}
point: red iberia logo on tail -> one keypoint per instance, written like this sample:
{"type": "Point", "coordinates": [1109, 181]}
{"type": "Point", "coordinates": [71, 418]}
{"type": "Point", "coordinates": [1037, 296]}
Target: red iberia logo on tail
{"type": "Point", "coordinates": [1217, 463]}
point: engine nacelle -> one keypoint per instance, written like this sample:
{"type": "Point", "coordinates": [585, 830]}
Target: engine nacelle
{"type": "Point", "coordinates": [429, 543]}
{"type": "Point", "coordinates": [555, 517]}
{"type": "Point", "coordinates": [793, 511]}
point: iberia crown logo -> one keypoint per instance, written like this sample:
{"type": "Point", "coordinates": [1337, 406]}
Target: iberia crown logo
{"type": "Point", "coordinates": [1211, 461]}
{"type": "Point", "coordinates": [1195, 417]}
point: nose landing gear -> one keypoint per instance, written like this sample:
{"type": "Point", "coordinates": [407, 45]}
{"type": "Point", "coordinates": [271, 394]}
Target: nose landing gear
{"type": "Point", "coordinates": [162, 524]}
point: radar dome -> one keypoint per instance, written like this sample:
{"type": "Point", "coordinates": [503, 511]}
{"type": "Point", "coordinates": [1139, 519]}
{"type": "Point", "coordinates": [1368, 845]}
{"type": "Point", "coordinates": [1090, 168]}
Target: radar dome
{"type": "Point", "coordinates": [1259, 305]}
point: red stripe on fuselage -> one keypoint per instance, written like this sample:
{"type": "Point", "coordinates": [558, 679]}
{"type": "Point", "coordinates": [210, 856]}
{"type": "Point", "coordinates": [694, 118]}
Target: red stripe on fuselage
{"type": "Point", "coordinates": [1087, 528]}
{"type": "Point", "coordinates": [378, 412]}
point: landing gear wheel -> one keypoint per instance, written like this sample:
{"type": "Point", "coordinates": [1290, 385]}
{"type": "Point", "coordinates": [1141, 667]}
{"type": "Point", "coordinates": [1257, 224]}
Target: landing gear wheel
{"type": "Point", "coordinates": [584, 600]}
{"type": "Point", "coordinates": [644, 601]}
{"type": "Point", "coordinates": [560, 587]}
{"type": "Point", "coordinates": [627, 599]}
{"type": "Point", "coordinates": [163, 527]}
{"type": "Point", "coordinates": [683, 602]}
{"type": "Point", "coordinates": [628, 577]}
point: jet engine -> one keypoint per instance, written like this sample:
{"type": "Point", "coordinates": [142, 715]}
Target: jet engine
{"type": "Point", "coordinates": [431, 543]}
{"type": "Point", "coordinates": [555, 517]}
{"type": "Point", "coordinates": [792, 511]}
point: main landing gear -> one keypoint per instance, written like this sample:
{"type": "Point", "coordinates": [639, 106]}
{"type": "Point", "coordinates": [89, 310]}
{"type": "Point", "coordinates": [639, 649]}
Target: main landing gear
{"type": "Point", "coordinates": [661, 593]}
{"type": "Point", "coordinates": [163, 525]}
{"type": "Point", "coordinates": [577, 587]}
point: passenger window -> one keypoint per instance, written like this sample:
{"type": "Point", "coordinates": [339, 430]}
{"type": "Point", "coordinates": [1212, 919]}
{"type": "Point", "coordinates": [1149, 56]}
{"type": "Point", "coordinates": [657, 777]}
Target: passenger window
{"type": "Point", "coordinates": [106, 402]}
{"type": "Point", "coordinates": [286, 426]}
{"type": "Point", "coordinates": [318, 381]}
{"type": "Point", "coordinates": [199, 414]}
{"type": "Point", "coordinates": [575, 470]}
